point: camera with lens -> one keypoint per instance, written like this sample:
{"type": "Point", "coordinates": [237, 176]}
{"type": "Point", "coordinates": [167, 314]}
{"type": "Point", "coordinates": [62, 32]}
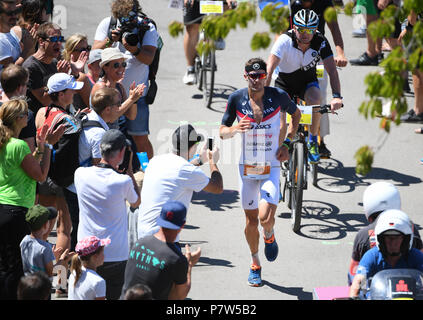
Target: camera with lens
{"type": "Point", "coordinates": [133, 30]}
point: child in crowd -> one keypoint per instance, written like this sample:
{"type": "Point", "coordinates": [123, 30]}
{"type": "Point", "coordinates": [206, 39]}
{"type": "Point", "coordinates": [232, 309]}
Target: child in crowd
{"type": "Point", "coordinates": [84, 282]}
{"type": "Point", "coordinates": [138, 291]}
{"type": "Point", "coordinates": [35, 286]}
{"type": "Point", "coordinates": [37, 254]}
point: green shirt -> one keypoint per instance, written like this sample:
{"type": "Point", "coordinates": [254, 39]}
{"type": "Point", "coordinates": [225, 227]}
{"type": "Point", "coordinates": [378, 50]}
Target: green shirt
{"type": "Point", "coordinates": [16, 187]}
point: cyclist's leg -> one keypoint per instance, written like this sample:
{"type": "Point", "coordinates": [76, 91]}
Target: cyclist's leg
{"type": "Point", "coordinates": [190, 42]}
{"type": "Point", "coordinates": [192, 20]}
{"type": "Point", "coordinates": [312, 96]}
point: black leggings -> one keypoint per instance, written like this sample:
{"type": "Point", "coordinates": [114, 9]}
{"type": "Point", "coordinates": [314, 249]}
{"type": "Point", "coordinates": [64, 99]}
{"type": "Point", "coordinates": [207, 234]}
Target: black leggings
{"type": "Point", "coordinates": [13, 228]}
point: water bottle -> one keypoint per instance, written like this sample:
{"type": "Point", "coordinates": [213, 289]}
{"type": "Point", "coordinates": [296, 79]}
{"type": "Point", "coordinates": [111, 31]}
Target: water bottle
{"type": "Point", "coordinates": [142, 156]}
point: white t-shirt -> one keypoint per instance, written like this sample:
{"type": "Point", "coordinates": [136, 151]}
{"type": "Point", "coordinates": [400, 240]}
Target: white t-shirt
{"type": "Point", "coordinates": [135, 70]}
{"type": "Point", "coordinates": [9, 47]}
{"type": "Point", "coordinates": [89, 286]}
{"type": "Point", "coordinates": [102, 195]}
{"type": "Point", "coordinates": [167, 177]}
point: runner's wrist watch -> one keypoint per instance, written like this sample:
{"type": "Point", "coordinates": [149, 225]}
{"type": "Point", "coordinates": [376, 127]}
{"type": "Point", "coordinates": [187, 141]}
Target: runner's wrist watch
{"type": "Point", "coordinates": [336, 95]}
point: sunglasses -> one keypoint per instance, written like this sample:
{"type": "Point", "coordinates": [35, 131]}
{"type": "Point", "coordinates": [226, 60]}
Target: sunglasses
{"type": "Point", "coordinates": [304, 30]}
{"type": "Point", "coordinates": [117, 65]}
{"type": "Point", "coordinates": [23, 114]}
{"type": "Point", "coordinates": [55, 39]}
{"type": "Point", "coordinates": [88, 48]}
{"type": "Point", "coordinates": [255, 76]}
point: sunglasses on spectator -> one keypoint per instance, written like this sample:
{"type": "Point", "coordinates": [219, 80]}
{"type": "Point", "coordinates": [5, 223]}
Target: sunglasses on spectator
{"type": "Point", "coordinates": [88, 48]}
{"type": "Point", "coordinates": [56, 39]}
{"type": "Point", "coordinates": [307, 31]}
{"type": "Point", "coordinates": [12, 12]}
{"type": "Point", "coordinates": [23, 114]}
{"type": "Point", "coordinates": [116, 65]}
{"type": "Point", "coordinates": [255, 76]}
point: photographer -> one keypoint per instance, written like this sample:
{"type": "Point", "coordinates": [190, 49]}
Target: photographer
{"type": "Point", "coordinates": [137, 38]}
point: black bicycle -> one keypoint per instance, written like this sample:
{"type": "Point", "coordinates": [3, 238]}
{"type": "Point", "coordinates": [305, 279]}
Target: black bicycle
{"type": "Point", "coordinates": [295, 170]}
{"type": "Point", "coordinates": [205, 68]}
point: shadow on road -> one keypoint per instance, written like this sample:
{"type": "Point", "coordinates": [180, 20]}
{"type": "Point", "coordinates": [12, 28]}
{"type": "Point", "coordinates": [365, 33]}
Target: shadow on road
{"type": "Point", "coordinates": [221, 94]}
{"type": "Point", "coordinates": [344, 179]}
{"type": "Point", "coordinates": [206, 261]}
{"type": "Point", "coordinates": [322, 221]}
{"type": "Point", "coordinates": [295, 291]}
{"type": "Point", "coordinates": [216, 202]}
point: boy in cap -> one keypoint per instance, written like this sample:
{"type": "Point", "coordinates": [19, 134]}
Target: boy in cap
{"type": "Point", "coordinates": [156, 261]}
{"type": "Point", "coordinates": [102, 194]}
{"type": "Point", "coordinates": [172, 177]}
{"type": "Point", "coordinates": [37, 254]}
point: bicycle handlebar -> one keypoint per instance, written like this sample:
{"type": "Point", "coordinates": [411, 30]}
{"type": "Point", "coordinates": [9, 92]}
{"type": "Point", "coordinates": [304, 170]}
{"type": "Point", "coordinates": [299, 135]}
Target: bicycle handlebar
{"type": "Point", "coordinates": [323, 109]}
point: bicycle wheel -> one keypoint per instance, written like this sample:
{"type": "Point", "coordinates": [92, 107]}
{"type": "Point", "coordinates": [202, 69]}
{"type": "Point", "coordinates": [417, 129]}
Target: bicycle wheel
{"type": "Point", "coordinates": [198, 73]}
{"type": "Point", "coordinates": [297, 179]}
{"type": "Point", "coordinates": [209, 67]}
{"type": "Point", "coordinates": [313, 170]}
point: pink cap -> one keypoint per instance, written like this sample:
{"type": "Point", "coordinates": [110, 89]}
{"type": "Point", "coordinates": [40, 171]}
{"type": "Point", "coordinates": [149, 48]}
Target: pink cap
{"type": "Point", "coordinates": [90, 244]}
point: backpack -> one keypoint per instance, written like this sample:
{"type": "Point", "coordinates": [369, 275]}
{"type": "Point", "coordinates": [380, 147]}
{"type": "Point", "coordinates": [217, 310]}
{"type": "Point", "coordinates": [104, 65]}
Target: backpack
{"type": "Point", "coordinates": [65, 158]}
{"type": "Point", "coordinates": [154, 66]}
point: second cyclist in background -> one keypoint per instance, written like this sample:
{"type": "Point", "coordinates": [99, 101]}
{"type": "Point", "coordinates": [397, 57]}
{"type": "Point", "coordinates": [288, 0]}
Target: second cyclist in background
{"type": "Point", "coordinates": [297, 53]}
{"type": "Point", "coordinates": [192, 22]}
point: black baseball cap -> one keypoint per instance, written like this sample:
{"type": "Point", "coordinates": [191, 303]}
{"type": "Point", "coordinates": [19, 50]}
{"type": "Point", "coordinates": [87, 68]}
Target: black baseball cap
{"type": "Point", "coordinates": [185, 137]}
{"type": "Point", "coordinates": [112, 140]}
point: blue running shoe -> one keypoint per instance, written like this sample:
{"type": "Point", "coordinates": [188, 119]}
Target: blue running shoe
{"type": "Point", "coordinates": [271, 248]}
{"type": "Point", "coordinates": [313, 152]}
{"type": "Point", "coordinates": [254, 278]}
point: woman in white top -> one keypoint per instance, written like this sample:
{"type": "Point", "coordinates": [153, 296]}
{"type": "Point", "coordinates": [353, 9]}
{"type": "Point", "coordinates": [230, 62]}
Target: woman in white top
{"type": "Point", "coordinates": [84, 282]}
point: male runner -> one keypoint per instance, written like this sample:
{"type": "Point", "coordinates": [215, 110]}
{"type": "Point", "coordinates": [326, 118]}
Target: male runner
{"type": "Point", "coordinates": [258, 110]}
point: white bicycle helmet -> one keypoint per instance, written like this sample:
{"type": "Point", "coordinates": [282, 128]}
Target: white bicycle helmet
{"type": "Point", "coordinates": [392, 222]}
{"type": "Point", "coordinates": [306, 18]}
{"type": "Point", "coordinates": [380, 196]}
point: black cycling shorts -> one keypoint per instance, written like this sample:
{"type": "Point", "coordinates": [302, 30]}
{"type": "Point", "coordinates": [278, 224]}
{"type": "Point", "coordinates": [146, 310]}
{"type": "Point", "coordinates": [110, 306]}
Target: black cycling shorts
{"type": "Point", "coordinates": [297, 83]}
{"type": "Point", "coordinates": [192, 14]}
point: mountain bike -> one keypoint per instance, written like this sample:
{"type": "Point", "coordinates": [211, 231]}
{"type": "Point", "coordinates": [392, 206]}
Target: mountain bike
{"type": "Point", "coordinates": [295, 170]}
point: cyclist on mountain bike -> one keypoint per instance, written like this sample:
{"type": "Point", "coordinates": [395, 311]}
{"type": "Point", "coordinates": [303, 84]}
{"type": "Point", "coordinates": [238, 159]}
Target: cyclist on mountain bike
{"type": "Point", "coordinates": [297, 53]}
{"type": "Point", "coordinates": [319, 7]}
{"type": "Point", "coordinates": [259, 110]}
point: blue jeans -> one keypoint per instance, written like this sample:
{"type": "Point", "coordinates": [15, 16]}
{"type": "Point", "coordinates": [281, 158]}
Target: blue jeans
{"type": "Point", "coordinates": [140, 126]}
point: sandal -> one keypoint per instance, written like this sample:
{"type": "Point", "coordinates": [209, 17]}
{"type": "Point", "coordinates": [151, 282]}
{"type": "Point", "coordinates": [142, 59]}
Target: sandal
{"type": "Point", "coordinates": [420, 130]}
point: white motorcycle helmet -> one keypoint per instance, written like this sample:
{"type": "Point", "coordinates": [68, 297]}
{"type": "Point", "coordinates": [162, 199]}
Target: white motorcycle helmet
{"type": "Point", "coordinates": [394, 222]}
{"type": "Point", "coordinates": [380, 196]}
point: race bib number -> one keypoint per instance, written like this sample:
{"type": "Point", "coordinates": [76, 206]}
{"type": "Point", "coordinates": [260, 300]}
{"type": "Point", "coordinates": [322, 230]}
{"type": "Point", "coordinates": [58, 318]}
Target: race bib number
{"type": "Point", "coordinates": [176, 4]}
{"type": "Point", "coordinates": [320, 71]}
{"type": "Point", "coordinates": [256, 171]}
{"type": "Point", "coordinates": [306, 115]}
{"type": "Point", "coordinates": [207, 7]}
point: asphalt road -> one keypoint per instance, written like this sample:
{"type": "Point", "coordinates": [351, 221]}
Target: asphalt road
{"type": "Point", "coordinates": [319, 255]}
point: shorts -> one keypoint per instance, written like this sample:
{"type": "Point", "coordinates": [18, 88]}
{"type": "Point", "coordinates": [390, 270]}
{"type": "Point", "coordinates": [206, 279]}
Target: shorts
{"type": "Point", "coordinates": [250, 189]}
{"type": "Point", "coordinates": [192, 14]}
{"type": "Point", "coordinates": [297, 83]}
{"type": "Point", "coordinates": [49, 188]}
{"type": "Point", "coordinates": [367, 7]}
{"type": "Point", "coordinates": [139, 126]}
